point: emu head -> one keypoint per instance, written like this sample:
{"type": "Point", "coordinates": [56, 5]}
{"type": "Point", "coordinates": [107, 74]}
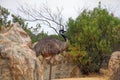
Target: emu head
{"type": "Point", "coordinates": [62, 33]}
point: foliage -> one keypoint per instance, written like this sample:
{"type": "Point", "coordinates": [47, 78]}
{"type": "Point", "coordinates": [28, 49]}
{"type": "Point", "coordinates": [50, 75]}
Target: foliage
{"type": "Point", "coordinates": [39, 36]}
{"type": "Point", "coordinates": [20, 21]}
{"type": "Point", "coordinates": [4, 14]}
{"type": "Point", "coordinates": [5, 19]}
{"type": "Point", "coordinates": [93, 34]}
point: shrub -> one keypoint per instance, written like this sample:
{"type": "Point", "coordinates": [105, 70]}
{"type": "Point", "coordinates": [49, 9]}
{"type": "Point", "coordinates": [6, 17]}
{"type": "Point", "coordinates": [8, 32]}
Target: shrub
{"type": "Point", "coordinates": [93, 36]}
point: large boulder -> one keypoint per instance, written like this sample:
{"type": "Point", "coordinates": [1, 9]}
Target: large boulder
{"type": "Point", "coordinates": [17, 59]}
{"type": "Point", "coordinates": [114, 66]}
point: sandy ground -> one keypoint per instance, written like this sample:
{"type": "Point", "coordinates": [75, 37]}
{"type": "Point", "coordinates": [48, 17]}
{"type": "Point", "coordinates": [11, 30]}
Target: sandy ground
{"type": "Point", "coordinates": [86, 78]}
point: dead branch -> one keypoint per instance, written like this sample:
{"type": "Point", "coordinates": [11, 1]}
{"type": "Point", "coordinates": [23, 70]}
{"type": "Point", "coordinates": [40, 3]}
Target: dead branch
{"type": "Point", "coordinates": [44, 15]}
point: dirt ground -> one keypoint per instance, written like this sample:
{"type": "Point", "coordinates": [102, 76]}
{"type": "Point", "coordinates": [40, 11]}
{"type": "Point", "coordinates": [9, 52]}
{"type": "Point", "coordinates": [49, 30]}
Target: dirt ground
{"type": "Point", "coordinates": [103, 76]}
{"type": "Point", "coordinates": [86, 78]}
{"type": "Point", "coordinates": [91, 77]}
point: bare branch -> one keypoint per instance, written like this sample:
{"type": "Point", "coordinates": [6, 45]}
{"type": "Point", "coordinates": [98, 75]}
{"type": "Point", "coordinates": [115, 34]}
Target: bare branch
{"type": "Point", "coordinates": [35, 19]}
{"type": "Point", "coordinates": [44, 15]}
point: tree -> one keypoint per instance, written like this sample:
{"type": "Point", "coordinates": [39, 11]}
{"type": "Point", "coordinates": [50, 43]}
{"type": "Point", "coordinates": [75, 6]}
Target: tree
{"type": "Point", "coordinates": [20, 21]}
{"type": "Point", "coordinates": [93, 36]}
{"type": "Point", "coordinates": [4, 21]}
{"type": "Point", "coordinates": [4, 14]}
{"type": "Point", "coordinates": [45, 16]}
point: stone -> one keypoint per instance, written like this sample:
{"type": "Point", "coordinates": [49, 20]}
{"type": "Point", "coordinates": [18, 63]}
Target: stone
{"type": "Point", "coordinates": [75, 72]}
{"type": "Point", "coordinates": [62, 70]}
{"type": "Point", "coordinates": [114, 66]}
{"type": "Point", "coordinates": [17, 60]}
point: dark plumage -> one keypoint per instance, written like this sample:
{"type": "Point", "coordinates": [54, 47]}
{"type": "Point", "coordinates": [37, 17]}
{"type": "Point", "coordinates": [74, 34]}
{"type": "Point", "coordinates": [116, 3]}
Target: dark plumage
{"type": "Point", "coordinates": [49, 47]}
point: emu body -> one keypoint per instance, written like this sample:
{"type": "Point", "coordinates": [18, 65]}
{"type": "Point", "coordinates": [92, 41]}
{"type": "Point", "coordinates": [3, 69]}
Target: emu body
{"type": "Point", "coordinates": [49, 47]}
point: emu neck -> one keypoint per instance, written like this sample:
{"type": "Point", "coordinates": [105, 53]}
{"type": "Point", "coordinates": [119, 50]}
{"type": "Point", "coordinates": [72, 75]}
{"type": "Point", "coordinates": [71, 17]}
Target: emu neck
{"type": "Point", "coordinates": [64, 37]}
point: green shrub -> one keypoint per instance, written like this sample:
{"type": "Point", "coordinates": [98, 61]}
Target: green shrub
{"type": "Point", "coordinates": [93, 36]}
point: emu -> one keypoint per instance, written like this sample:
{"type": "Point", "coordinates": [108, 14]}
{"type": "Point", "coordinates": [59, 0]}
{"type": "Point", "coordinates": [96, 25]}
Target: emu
{"type": "Point", "coordinates": [49, 47]}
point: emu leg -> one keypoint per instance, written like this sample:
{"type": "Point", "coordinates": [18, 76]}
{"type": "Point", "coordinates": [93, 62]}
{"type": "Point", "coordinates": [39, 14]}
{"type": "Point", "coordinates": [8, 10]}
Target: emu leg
{"type": "Point", "coordinates": [50, 73]}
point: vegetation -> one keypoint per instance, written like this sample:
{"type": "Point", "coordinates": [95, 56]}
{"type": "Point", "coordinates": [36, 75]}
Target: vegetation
{"type": "Point", "coordinates": [6, 19]}
{"type": "Point", "coordinates": [4, 13]}
{"type": "Point", "coordinates": [93, 35]}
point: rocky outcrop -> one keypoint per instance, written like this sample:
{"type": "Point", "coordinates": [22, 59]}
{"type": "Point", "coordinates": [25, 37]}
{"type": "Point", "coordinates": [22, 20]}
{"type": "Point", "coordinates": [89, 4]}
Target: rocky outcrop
{"type": "Point", "coordinates": [62, 70]}
{"type": "Point", "coordinates": [114, 66]}
{"type": "Point", "coordinates": [17, 60]}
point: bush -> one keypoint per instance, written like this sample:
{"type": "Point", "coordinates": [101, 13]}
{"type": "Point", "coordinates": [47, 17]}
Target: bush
{"type": "Point", "coordinates": [93, 36]}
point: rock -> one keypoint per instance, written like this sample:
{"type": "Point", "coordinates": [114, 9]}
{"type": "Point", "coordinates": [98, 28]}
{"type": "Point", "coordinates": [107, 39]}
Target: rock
{"type": "Point", "coordinates": [75, 72]}
{"type": "Point", "coordinates": [17, 35]}
{"type": "Point", "coordinates": [114, 66]}
{"type": "Point", "coordinates": [62, 70]}
{"type": "Point", "coordinates": [17, 60]}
